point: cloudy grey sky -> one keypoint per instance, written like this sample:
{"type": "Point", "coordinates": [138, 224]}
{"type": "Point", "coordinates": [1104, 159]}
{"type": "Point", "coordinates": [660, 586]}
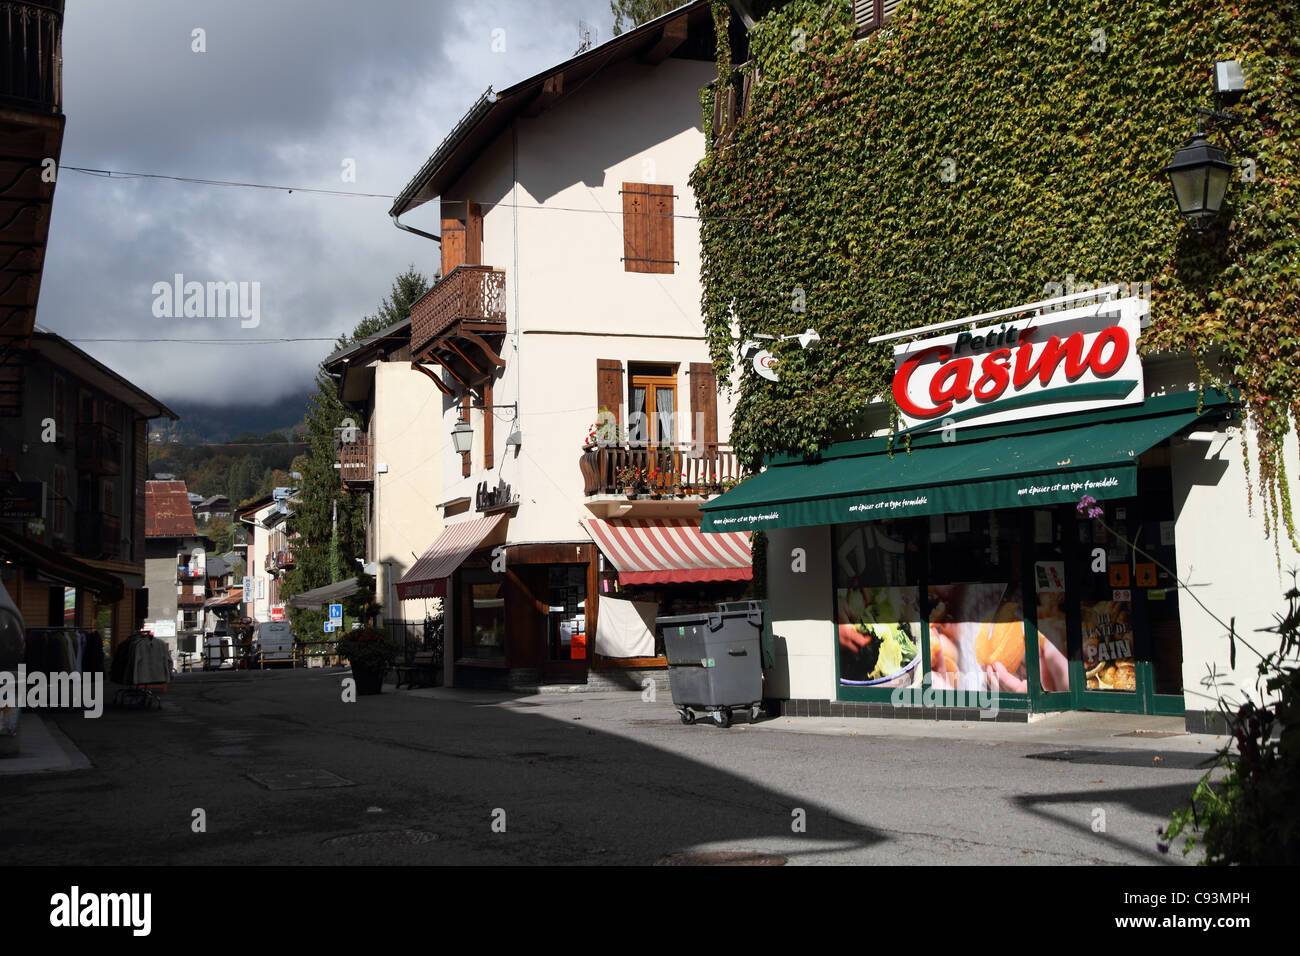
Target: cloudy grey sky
{"type": "Point", "coordinates": [286, 91]}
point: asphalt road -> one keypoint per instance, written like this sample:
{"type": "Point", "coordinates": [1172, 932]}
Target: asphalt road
{"type": "Point", "coordinates": [283, 771]}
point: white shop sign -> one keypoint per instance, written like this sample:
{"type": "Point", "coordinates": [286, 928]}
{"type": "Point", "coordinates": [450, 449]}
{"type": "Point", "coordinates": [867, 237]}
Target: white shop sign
{"type": "Point", "coordinates": [1022, 367]}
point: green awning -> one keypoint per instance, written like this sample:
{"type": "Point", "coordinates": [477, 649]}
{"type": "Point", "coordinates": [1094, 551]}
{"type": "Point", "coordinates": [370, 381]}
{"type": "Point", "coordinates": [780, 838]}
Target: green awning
{"type": "Point", "coordinates": [1029, 464]}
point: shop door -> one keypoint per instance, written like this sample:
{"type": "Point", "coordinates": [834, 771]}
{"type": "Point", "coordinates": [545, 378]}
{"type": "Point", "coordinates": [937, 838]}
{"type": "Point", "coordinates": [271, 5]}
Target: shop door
{"type": "Point", "coordinates": [563, 599]}
{"type": "Point", "coordinates": [1119, 604]}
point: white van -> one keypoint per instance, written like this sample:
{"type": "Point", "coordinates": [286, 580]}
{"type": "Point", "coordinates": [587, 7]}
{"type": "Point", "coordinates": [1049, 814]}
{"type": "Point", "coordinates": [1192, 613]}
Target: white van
{"type": "Point", "coordinates": [275, 643]}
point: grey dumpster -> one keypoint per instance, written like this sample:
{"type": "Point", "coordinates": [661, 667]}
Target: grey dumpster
{"type": "Point", "coordinates": [714, 663]}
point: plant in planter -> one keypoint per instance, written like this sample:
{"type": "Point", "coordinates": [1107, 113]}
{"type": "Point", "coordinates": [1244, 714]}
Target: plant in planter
{"type": "Point", "coordinates": [631, 478]}
{"type": "Point", "coordinates": [681, 484]}
{"type": "Point", "coordinates": [369, 651]}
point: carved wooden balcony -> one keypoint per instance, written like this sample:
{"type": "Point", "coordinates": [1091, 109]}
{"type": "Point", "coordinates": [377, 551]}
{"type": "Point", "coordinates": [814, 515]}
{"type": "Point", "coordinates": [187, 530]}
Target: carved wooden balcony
{"type": "Point", "coordinates": [356, 461]}
{"type": "Point", "coordinates": [698, 469]}
{"type": "Point", "coordinates": [31, 55]}
{"type": "Point", "coordinates": [467, 299]}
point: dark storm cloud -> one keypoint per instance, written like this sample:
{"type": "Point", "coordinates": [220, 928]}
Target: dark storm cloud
{"type": "Point", "coordinates": [286, 91]}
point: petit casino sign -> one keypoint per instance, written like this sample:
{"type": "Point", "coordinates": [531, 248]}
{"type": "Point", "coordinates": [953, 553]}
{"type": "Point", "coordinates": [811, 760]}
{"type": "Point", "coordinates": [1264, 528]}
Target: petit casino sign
{"type": "Point", "coordinates": [1076, 360]}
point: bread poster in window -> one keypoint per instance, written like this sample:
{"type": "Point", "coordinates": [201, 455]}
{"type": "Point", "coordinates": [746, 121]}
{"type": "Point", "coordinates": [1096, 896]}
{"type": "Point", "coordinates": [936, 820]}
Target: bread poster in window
{"type": "Point", "coordinates": [1108, 662]}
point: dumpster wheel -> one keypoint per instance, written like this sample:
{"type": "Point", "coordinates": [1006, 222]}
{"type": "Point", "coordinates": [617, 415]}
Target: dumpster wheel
{"type": "Point", "coordinates": [722, 717]}
{"type": "Point", "coordinates": [687, 715]}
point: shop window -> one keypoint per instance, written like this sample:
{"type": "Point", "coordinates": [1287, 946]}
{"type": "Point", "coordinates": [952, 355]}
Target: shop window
{"type": "Point", "coordinates": [652, 404]}
{"type": "Point", "coordinates": [483, 634]}
{"type": "Point", "coordinates": [878, 604]}
{"type": "Point", "coordinates": [647, 228]}
{"type": "Point", "coordinates": [976, 603]}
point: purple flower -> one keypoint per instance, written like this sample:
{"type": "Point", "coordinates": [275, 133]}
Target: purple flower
{"type": "Point", "coordinates": [1088, 506]}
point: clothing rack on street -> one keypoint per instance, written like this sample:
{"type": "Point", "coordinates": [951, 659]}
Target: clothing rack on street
{"type": "Point", "coordinates": [143, 665]}
{"type": "Point", "coordinates": [63, 650]}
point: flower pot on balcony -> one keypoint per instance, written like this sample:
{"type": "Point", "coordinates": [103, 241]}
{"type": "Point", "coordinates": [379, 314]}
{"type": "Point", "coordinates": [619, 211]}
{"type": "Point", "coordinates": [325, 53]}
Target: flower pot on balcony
{"type": "Point", "coordinates": [678, 492]}
{"type": "Point", "coordinates": [630, 491]}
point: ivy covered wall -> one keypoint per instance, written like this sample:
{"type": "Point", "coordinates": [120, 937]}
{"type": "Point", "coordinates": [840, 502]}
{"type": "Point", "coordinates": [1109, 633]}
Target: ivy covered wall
{"type": "Point", "coordinates": [972, 154]}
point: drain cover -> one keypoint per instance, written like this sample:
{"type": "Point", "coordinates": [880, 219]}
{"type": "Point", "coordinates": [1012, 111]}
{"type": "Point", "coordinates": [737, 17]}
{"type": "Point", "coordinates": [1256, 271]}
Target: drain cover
{"type": "Point", "coordinates": [723, 858]}
{"type": "Point", "coordinates": [299, 779]}
{"type": "Point", "coordinates": [383, 838]}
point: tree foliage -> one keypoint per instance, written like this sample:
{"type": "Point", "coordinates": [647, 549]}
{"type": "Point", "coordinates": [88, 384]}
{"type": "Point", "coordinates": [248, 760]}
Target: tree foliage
{"type": "Point", "coordinates": [330, 524]}
{"type": "Point", "coordinates": [630, 14]}
{"type": "Point", "coordinates": [970, 155]}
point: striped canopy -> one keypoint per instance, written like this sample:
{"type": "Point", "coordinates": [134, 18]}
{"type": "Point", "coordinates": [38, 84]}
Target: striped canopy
{"type": "Point", "coordinates": [428, 576]}
{"type": "Point", "coordinates": [671, 550]}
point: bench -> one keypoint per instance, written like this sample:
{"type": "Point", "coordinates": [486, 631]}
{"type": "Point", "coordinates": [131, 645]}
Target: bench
{"type": "Point", "coordinates": [422, 668]}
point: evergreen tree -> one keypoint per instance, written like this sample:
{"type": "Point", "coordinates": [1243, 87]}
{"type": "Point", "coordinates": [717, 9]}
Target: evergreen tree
{"type": "Point", "coordinates": [629, 14]}
{"type": "Point", "coordinates": [327, 547]}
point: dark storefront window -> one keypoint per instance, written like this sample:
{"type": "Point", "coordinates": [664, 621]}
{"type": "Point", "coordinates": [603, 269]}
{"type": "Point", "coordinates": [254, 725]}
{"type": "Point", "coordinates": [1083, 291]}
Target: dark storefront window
{"type": "Point", "coordinates": [483, 632]}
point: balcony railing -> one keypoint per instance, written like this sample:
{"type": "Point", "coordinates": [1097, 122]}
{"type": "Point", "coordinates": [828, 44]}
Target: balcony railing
{"type": "Point", "coordinates": [99, 448]}
{"type": "Point", "coordinates": [472, 295]}
{"type": "Point", "coordinates": [697, 468]}
{"type": "Point", "coordinates": [190, 599]}
{"type": "Point", "coordinates": [31, 54]}
{"type": "Point", "coordinates": [356, 461]}
{"type": "Point", "coordinates": [185, 573]}
{"type": "Point", "coordinates": [279, 560]}
{"type": "Point", "coordinates": [99, 536]}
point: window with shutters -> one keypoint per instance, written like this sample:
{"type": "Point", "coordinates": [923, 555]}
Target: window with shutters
{"type": "Point", "coordinates": [648, 228]}
{"type": "Point", "coordinates": [871, 15]}
{"type": "Point", "coordinates": [652, 403]}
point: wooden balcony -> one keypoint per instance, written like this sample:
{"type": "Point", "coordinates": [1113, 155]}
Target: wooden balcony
{"type": "Point", "coordinates": [31, 70]}
{"type": "Point", "coordinates": [699, 469]}
{"type": "Point", "coordinates": [189, 598]}
{"type": "Point", "coordinates": [355, 461]}
{"type": "Point", "coordinates": [279, 560]}
{"type": "Point", "coordinates": [99, 449]}
{"type": "Point", "coordinates": [467, 299]}
{"type": "Point", "coordinates": [99, 536]}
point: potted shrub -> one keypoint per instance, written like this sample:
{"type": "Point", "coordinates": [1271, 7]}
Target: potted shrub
{"type": "Point", "coordinates": [679, 486]}
{"type": "Point", "coordinates": [630, 478]}
{"type": "Point", "coordinates": [369, 651]}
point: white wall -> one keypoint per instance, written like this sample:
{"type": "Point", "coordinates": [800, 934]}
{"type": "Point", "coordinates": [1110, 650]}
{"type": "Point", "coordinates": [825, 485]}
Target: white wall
{"type": "Point", "coordinates": [406, 439]}
{"type": "Point", "coordinates": [802, 609]}
{"type": "Point", "coordinates": [570, 300]}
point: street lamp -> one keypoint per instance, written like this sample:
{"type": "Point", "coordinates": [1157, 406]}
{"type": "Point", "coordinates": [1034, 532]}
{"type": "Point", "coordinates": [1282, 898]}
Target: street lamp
{"type": "Point", "coordinates": [462, 436]}
{"type": "Point", "coordinates": [1199, 175]}
{"type": "Point", "coordinates": [462, 433]}
{"type": "Point", "coordinates": [1199, 170]}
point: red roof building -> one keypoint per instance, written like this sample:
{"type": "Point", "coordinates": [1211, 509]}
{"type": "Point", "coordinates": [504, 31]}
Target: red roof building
{"type": "Point", "coordinates": [167, 512]}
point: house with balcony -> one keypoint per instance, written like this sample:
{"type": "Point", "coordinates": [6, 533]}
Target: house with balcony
{"type": "Point", "coordinates": [390, 455]}
{"type": "Point", "coordinates": [578, 420]}
{"type": "Point", "coordinates": [270, 553]}
{"type": "Point", "coordinates": [176, 568]}
{"type": "Point", "coordinates": [73, 468]}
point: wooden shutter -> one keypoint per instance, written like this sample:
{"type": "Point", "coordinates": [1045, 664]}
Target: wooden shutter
{"type": "Point", "coordinates": [704, 402]}
{"type": "Point", "coordinates": [609, 389]}
{"type": "Point", "coordinates": [870, 15]}
{"type": "Point", "coordinates": [647, 228]}
{"type": "Point", "coordinates": [465, 466]}
{"type": "Point", "coordinates": [462, 234]}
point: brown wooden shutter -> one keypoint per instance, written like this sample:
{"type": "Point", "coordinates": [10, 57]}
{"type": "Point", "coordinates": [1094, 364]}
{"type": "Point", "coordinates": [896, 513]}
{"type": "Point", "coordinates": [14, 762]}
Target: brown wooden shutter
{"type": "Point", "coordinates": [474, 236]}
{"type": "Point", "coordinates": [465, 466]}
{"type": "Point", "coordinates": [487, 426]}
{"type": "Point", "coordinates": [704, 403]}
{"type": "Point", "coordinates": [609, 389]}
{"type": "Point", "coordinates": [871, 15]}
{"type": "Point", "coordinates": [647, 228]}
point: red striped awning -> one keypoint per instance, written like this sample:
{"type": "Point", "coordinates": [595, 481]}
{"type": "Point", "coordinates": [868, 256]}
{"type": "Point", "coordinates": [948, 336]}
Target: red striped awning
{"type": "Point", "coordinates": [428, 576]}
{"type": "Point", "coordinates": [671, 550]}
